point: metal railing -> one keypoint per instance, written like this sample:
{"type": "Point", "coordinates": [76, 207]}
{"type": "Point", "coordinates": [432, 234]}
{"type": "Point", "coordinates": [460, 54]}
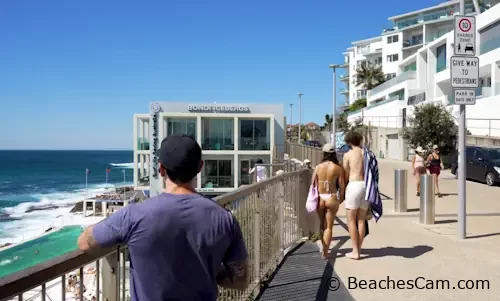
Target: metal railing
{"type": "Point", "coordinates": [272, 218]}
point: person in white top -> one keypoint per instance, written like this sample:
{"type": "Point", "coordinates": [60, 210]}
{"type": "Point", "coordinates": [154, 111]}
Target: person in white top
{"type": "Point", "coordinates": [418, 166]}
{"type": "Point", "coordinates": [260, 170]}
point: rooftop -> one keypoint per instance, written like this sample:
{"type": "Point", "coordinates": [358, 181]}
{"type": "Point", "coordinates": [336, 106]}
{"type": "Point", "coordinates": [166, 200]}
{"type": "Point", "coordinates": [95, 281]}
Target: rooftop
{"type": "Point", "coordinates": [367, 41]}
{"type": "Point", "coordinates": [442, 5]}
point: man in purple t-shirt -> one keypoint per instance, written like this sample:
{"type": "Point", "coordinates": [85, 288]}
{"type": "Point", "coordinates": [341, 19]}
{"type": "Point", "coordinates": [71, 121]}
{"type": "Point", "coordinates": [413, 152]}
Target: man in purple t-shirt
{"type": "Point", "coordinates": [181, 244]}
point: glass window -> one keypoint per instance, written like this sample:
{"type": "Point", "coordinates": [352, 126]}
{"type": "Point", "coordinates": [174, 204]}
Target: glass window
{"type": "Point", "coordinates": [254, 134]}
{"type": "Point", "coordinates": [490, 38]}
{"type": "Point", "coordinates": [392, 57]}
{"type": "Point", "coordinates": [217, 174]}
{"type": "Point", "coordinates": [245, 166]}
{"type": "Point", "coordinates": [441, 58]}
{"type": "Point", "coordinates": [392, 39]}
{"type": "Point", "coordinates": [217, 134]}
{"type": "Point", "coordinates": [186, 126]}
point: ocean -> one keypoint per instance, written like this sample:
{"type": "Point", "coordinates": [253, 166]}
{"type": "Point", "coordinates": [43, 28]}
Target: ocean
{"type": "Point", "coordinates": [39, 188]}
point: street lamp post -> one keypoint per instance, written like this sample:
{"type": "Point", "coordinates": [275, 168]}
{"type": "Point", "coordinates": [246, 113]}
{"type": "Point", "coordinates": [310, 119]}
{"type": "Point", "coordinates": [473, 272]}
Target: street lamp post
{"type": "Point", "coordinates": [334, 115]}
{"type": "Point", "coordinates": [300, 115]}
{"type": "Point", "coordinates": [291, 123]}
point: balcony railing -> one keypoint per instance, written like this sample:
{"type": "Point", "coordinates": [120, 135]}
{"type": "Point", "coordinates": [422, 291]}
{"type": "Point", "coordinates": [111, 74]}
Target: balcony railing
{"type": "Point", "coordinates": [393, 81]}
{"type": "Point", "coordinates": [344, 91]}
{"type": "Point", "coordinates": [256, 144]}
{"type": "Point", "coordinates": [344, 77]}
{"type": "Point", "coordinates": [272, 218]}
{"type": "Point", "coordinates": [436, 35]}
{"type": "Point", "coordinates": [411, 43]}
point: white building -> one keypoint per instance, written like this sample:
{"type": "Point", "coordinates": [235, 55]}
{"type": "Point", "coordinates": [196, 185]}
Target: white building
{"type": "Point", "coordinates": [410, 32]}
{"type": "Point", "coordinates": [232, 138]}
{"type": "Point", "coordinates": [424, 76]}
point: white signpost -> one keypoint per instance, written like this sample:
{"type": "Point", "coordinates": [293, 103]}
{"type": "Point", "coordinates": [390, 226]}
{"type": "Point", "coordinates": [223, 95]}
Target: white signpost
{"type": "Point", "coordinates": [465, 35]}
{"type": "Point", "coordinates": [465, 97]}
{"type": "Point", "coordinates": [464, 69]}
{"type": "Point", "coordinates": [464, 72]}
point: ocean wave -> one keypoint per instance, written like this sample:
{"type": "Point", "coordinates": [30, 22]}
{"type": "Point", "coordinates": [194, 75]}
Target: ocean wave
{"type": "Point", "coordinates": [55, 200]}
{"type": "Point", "coordinates": [125, 165]}
{"type": "Point", "coordinates": [28, 219]}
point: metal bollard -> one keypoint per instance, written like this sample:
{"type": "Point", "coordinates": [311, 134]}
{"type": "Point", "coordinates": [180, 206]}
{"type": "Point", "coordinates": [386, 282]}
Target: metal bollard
{"type": "Point", "coordinates": [427, 200]}
{"type": "Point", "coordinates": [400, 190]}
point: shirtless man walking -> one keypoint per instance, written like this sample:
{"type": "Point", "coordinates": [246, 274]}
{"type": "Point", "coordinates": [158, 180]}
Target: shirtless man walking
{"type": "Point", "coordinates": [355, 203]}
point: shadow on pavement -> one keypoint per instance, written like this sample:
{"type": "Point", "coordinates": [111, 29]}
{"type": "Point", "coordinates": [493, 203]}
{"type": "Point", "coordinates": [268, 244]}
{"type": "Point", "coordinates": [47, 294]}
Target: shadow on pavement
{"type": "Point", "coordinates": [410, 252]}
{"type": "Point", "coordinates": [413, 210]}
{"type": "Point", "coordinates": [483, 235]}
{"type": "Point", "coordinates": [445, 221]}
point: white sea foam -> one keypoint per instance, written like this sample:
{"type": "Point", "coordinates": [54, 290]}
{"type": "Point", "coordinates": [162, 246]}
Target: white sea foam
{"type": "Point", "coordinates": [123, 165]}
{"type": "Point", "coordinates": [31, 219]}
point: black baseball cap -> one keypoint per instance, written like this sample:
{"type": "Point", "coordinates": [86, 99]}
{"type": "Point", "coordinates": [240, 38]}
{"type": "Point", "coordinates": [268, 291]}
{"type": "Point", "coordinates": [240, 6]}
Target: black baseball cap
{"type": "Point", "coordinates": [180, 155]}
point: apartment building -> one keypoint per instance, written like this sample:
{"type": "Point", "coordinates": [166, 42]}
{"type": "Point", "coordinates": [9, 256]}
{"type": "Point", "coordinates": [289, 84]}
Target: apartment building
{"type": "Point", "coordinates": [424, 76]}
{"type": "Point", "coordinates": [232, 136]}
{"type": "Point", "coordinates": [409, 33]}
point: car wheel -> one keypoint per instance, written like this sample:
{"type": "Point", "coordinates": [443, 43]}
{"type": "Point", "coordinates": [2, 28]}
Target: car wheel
{"type": "Point", "coordinates": [490, 179]}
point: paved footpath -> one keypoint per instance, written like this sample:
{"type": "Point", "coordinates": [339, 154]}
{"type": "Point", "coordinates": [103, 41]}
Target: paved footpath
{"type": "Point", "coordinates": [400, 249]}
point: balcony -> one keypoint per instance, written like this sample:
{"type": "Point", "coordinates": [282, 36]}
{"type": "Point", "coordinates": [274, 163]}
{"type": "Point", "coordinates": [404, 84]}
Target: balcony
{"type": "Point", "coordinates": [372, 52]}
{"type": "Point", "coordinates": [344, 91]}
{"type": "Point", "coordinates": [483, 92]}
{"type": "Point", "coordinates": [407, 44]}
{"type": "Point", "coordinates": [142, 144]}
{"type": "Point", "coordinates": [344, 77]}
{"type": "Point", "coordinates": [393, 81]}
{"type": "Point", "coordinates": [436, 35]}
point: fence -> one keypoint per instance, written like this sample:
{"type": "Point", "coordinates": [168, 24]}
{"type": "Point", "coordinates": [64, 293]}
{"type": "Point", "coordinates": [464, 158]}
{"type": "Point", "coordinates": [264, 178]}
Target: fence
{"type": "Point", "coordinates": [483, 127]}
{"type": "Point", "coordinates": [272, 217]}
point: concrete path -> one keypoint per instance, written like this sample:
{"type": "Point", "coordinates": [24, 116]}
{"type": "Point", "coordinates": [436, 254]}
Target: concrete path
{"type": "Point", "coordinates": [400, 251]}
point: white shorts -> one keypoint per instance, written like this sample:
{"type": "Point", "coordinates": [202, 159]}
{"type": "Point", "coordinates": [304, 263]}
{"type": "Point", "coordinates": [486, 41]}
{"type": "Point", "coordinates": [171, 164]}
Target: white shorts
{"type": "Point", "coordinates": [355, 195]}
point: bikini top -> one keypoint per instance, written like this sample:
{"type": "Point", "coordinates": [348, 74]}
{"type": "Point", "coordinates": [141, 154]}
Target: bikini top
{"type": "Point", "coordinates": [326, 183]}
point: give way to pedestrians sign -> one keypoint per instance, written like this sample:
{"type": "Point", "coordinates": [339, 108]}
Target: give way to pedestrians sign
{"type": "Point", "coordinates": [464, 72]}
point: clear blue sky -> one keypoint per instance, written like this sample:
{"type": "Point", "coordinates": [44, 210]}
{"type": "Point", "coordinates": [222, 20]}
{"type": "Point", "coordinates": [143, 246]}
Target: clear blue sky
{"type": "Point", "coordinates": [72, 73]}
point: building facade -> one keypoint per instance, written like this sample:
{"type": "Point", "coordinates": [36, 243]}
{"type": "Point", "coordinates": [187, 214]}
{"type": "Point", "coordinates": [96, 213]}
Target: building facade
{"type": "Point", "coordinates": [409, 33]}
{"type": "Point", "coordinates": [232, 138]}
{"type": "Point", "coordinates": [424, 76]}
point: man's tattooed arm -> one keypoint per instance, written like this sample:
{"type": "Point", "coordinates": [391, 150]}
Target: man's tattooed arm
{"type": "Point", "coordinates": [234, 275]}
{"type": "Point", "coordinates": [86, 241]}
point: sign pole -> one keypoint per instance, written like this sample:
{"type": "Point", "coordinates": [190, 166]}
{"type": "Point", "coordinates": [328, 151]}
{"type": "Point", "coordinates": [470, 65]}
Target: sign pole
{"type": "Point", "coordinates": [462, 158]}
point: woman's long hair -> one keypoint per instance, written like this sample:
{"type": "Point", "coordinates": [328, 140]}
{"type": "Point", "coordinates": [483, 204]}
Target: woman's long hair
{"type": "Point", "coordinates": [330, 156]}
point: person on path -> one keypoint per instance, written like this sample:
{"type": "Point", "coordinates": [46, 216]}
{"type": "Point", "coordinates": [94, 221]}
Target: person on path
{"type": "Point", "coordinates": [435, 164]}
{"type": "Point", "coordinates": [181, 244]}
{"type": "Point", "coordinates": [328, 176]}
{"type": "Point", "coordinates": [261, 171]}
{"type": "Point", "coordinates": [355, 194]}
{"type": "Point", "coordinates": [418, 166]}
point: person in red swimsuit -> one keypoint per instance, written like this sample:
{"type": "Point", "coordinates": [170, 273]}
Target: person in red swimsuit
{"type": "Point", "coordinates": [435, 165]}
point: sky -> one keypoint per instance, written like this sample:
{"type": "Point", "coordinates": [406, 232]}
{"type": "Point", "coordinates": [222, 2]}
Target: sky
{"type": "Point", "coordinates": [73, 73]}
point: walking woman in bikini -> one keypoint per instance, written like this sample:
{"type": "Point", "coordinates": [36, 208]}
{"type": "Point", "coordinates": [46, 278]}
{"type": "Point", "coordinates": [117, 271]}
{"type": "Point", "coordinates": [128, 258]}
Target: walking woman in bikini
{"type": "Point", "coordinates": [329, 178]}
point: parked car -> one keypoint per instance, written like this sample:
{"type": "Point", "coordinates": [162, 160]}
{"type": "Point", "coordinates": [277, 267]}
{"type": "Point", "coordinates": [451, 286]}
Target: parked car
{"type": "Point", "coordinates": [344, 148]}
{"type": "Point", "coordinates": [312, 143]}
{"type": "Point", "coordinates": [483, 164]}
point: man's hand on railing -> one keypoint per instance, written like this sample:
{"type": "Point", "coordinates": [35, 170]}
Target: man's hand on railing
{"type": "Point", "coordinates": [234, 275]}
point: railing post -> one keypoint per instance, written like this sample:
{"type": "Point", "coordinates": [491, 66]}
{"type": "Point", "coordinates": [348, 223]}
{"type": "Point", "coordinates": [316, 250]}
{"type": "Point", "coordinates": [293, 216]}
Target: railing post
{"type": "Point", "coordinates": [281, 217]}
{"type": "Point", "coordinates": [110, 270]}
{"type": "Point", "coordinates": [256, 243]}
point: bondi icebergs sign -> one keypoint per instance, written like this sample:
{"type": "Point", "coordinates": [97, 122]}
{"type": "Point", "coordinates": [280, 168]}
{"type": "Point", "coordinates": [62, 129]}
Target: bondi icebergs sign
{"type": "Point", "coordinates": [215, 108]}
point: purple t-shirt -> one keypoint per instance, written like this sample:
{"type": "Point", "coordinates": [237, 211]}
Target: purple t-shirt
{"type": "Point", "coordinates": [177, 244]}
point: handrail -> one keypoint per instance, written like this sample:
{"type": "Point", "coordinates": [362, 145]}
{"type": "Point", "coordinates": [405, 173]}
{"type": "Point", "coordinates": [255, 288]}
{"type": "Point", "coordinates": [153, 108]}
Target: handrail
{"type": "Point", "coordinates": [255, 204]}
{"type": "Point", "coordinates": [32, 277]}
